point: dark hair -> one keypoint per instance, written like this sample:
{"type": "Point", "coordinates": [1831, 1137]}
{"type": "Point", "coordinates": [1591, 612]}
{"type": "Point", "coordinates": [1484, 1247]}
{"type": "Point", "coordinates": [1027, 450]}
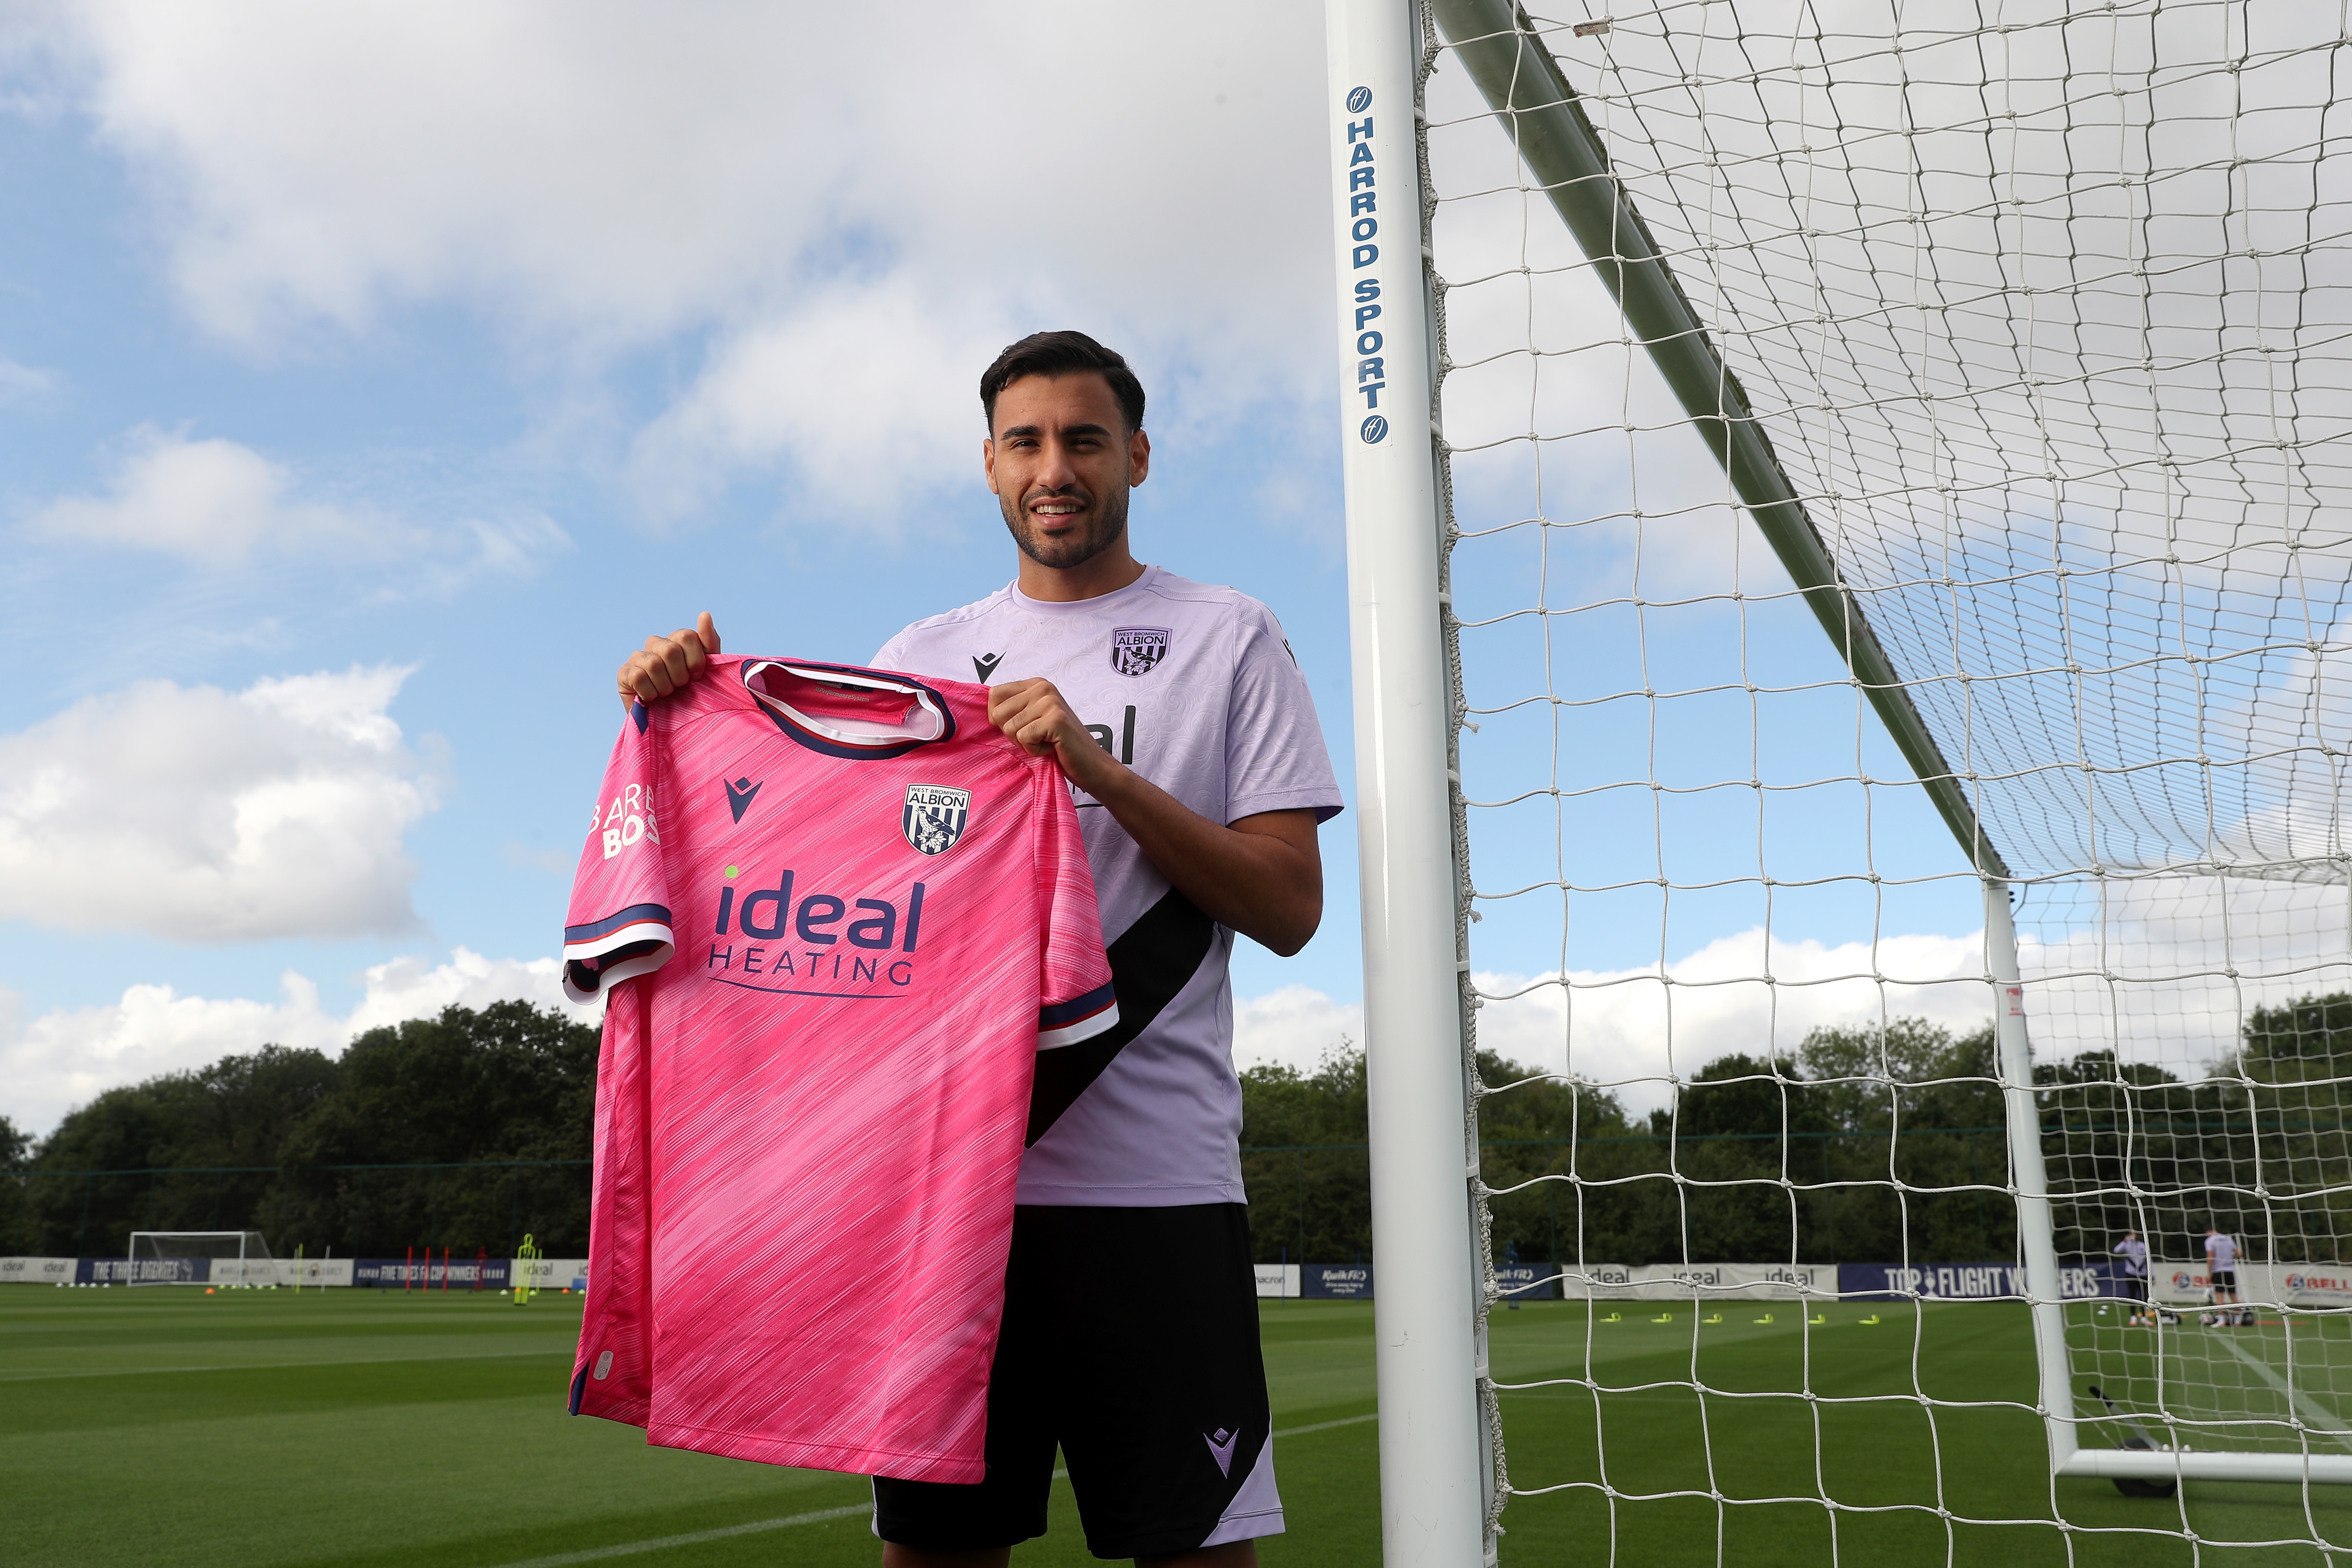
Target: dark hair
{"type": "Point", "coordinates": [1060, 354]}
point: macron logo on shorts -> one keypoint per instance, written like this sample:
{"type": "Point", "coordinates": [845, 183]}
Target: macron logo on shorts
{"type": "Point", "coordinates": [1221, 1447]}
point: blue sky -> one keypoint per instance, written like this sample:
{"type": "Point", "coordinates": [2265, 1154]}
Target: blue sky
{"type": "Point", "coordinates": [362, 387]}
{"type": "Point", "coordinates": [371, 381]}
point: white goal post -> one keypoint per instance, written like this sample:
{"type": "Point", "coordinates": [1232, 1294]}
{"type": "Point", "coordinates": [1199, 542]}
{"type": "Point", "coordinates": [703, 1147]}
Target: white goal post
{"type": "Point", "coordinates": [169, 1257]}
{"type": "Point", "coordinates": [2025, 345]}
{"type": "Point", "coordinates": [1436, 1483]}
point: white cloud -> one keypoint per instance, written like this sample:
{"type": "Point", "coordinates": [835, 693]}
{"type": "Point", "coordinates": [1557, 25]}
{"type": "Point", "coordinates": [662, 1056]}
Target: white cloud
{"type": "Point", "coordinates": [18, 381]}
{"type": "Point", "coordinates": [1636, 1032]}
{"type": "Point", "coordinates": [819, 388]}
{"type": "Point", "coordinates": [1293, 1027]}
{"type": "Point", "coordinates": [202, 815]}
{"type": "Point", "coordinates": [216, 503]}
{"type": "Point", "coordinates": [66, 1056]}
{"type": "Point", "coordinates": [2163, 970]}
{"type": "Point", "coordinates": [596, 177]}
{"type": "Point", "coordinates": [1639, 1030]}
{"type": "Point", "coordinates": [206, 501]}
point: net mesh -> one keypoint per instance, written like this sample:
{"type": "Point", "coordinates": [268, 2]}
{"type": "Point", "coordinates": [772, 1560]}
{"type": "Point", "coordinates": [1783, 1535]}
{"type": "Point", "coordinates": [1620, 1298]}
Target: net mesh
{"type": "Point", "coordinates": [2044, 310]}
{"type": "Point", "coordinates": [2199, 1074]}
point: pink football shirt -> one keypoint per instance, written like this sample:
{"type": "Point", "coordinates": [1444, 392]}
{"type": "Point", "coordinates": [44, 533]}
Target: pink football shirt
{"type": "Point", "coordinates": [849, 915]}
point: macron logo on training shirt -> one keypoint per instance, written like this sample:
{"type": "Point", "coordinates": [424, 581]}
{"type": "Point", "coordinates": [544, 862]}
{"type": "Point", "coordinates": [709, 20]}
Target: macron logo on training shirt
{"type": "Point", "coordinates": [984, 665]}
{"type": "Point", "coordinates": [739, 797]}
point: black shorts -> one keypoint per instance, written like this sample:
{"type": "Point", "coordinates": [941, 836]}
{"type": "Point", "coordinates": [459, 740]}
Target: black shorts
{"type": "Point", "coordinates": [1130, 1342]}
{"type": "Point", "coordinates": [2223, 1279]}
{"type": "Point", "coordinates": [2135, 1287]}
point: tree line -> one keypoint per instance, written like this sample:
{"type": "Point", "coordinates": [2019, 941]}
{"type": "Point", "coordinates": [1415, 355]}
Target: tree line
{"type": "Point", "coordinates": [1754, 1160]}
{"type": "Point", "coordinates": [470, 1130]}
{"type": "Point", "coordinates": [496, 1105]}
{"type": "Point", "coordinates": [1873, 1144]}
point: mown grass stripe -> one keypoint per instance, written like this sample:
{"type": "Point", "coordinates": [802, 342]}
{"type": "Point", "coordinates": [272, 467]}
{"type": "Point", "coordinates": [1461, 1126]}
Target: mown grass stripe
{"type": "Point", "coordinates": [692, 1538]}
{"type": "Point", "coordinates": [2312, 1410]}
{"type": "Point", "coordinates": [815, 1516]}
{"type": "Point", "coordinates": [273, 1365]}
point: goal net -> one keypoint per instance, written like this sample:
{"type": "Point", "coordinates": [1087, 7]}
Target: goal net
{"type": "Point", "coordinates": [1850, 550]}
{"type": "Point", "coordinates": [201, 1258]}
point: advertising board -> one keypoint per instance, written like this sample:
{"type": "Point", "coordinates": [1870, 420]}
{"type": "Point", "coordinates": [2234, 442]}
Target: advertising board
{"type": "Point", "coordinates": [1527, 1281]}
{"type": "Point", "coordinates": [1699, 1281]}
{"type": "Point", "coordinates": [2276, 1284]}
{"type": "Point", "coordinates": [1277, 1279]}
{"type": "Point", "coordinates": [551, 1273]}
{"type": "Point", "coordinates": [1971, 1282]}
{"type": "Point", "coordinates": [457, 1274]}
{"type": "Point", "coordinates": [1346, 1282]}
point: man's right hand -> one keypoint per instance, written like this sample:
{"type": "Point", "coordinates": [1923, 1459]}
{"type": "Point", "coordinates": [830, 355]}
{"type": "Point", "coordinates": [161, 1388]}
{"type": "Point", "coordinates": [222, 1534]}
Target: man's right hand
{"type": "Point", "coordinates": [667, 664]}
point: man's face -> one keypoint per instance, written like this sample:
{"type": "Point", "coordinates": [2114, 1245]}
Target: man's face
{"type": "Point", "coordinates": [1061, 463]}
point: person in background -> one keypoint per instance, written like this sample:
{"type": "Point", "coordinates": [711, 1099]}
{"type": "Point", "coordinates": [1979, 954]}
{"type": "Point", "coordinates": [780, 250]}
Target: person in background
{"type": "Point", "coordinates": [2134, 1252]}
{"type": "Point", "coordinates": [2221, 1274]}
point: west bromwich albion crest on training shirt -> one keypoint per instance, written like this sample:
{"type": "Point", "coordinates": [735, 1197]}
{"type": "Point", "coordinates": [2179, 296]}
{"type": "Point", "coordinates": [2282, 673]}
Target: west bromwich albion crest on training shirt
{"type": "Point", "coordinates": [850, 914]}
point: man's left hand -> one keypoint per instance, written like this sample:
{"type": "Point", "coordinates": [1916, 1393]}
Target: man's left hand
{"type": "Point", "coordinates": [1261, 874]}
{"type": "Point", "coordinates": [1033, 713]}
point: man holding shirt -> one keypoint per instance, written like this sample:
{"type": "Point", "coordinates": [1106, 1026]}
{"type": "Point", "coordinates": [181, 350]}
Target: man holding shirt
{"type": "Point", "coordinates": [1180, 718]}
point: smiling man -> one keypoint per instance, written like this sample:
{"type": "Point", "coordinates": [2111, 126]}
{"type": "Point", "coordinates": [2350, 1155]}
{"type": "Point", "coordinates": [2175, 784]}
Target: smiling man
{"type": "Point", "coordinates": [1189, 739]}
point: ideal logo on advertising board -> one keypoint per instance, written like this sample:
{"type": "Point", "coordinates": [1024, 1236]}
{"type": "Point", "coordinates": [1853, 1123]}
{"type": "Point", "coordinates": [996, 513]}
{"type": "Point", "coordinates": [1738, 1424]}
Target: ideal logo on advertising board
{"type": "Point", "coordinates": [35, 1270]}
{"type": "Point", "coordinates": [1581, 1281]}
{"type": "Point", "coordinates": [1698, 1282]}
{"type": "Point", "coordinates": [553, 1274]}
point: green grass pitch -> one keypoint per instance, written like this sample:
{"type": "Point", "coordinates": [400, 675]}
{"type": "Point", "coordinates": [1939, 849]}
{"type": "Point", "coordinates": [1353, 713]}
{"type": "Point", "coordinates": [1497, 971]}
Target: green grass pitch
{"type": "Point", "coordinates": [349, 1428]}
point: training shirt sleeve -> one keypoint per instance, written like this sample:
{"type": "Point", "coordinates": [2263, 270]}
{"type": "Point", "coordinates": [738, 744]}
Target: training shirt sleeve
{"type": "Point", "coordinates": [619, 921]}
{"type": "Point", "coordinates": [1075, 998]}
{"type": "Point", "coordinates": [1275, 759]}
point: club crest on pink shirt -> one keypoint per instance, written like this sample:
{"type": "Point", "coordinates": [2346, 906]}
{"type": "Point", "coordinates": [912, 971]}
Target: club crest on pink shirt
{"type": "Point", "coordinates": [934, 817]}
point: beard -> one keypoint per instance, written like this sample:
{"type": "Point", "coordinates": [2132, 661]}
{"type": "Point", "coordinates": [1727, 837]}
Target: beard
{"type": "Point", "coordinates": [1109, 526]}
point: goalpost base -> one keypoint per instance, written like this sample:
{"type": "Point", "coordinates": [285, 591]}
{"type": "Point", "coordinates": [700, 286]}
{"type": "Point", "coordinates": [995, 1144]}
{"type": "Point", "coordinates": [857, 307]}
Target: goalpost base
{"type": "Point", "coordinates": [2158, 1465]}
